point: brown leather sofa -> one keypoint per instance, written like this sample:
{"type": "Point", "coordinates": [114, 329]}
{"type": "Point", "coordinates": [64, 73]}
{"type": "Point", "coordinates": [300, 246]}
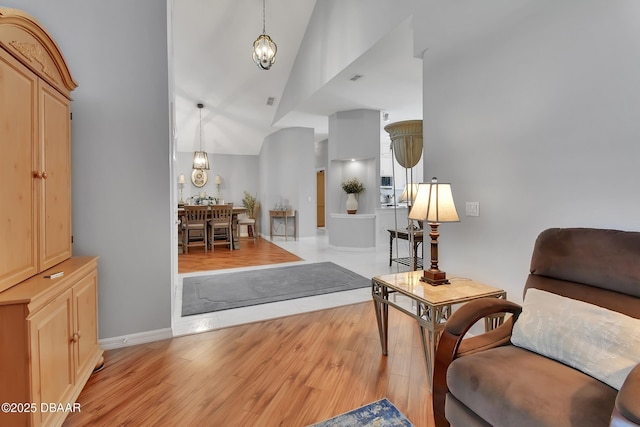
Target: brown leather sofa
{"type": "Point", "coordinates": [485, 380]}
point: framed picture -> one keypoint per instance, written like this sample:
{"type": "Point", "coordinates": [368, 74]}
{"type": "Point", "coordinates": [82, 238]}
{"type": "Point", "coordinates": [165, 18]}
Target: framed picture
{"type": "Point", "coordinates": [199, 177]}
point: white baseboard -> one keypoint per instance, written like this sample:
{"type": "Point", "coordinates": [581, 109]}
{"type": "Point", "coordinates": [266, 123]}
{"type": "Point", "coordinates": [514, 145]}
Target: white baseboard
{"type": "Point", "coordinates": [353, 248]}
{"type": "Point", "coordinates": [134, 339]}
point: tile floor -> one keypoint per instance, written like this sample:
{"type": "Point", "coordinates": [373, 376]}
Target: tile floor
{"type": "Point", "coordinates": [368, 263]}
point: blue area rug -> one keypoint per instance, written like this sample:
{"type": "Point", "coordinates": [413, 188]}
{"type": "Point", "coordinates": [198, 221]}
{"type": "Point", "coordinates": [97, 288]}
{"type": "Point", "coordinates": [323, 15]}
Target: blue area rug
{"type": "Point", "coordinates": [204, 294]}
{"type": "Point", "coordinates": [377, 414]}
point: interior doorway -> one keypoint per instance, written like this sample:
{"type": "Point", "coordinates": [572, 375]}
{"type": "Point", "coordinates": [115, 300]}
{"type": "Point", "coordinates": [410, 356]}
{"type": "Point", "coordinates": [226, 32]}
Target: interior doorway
{"type": "Point", "coordinates": [320, 222]}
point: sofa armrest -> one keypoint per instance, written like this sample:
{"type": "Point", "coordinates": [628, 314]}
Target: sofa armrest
{"type": "Point", "coordinates": [452, 345]}
{"type": "Point", "coordinates": [627, 410]}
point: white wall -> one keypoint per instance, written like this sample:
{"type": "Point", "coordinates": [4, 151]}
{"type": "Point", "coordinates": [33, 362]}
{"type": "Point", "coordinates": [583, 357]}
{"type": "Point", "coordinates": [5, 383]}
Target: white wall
{"type": "Point", "coordinates": [536, 119]}
{"type": "Point", "coordinates": [238, 172]}
{"type": "Point", "coordinates": [354, 135]}
{"type": "Point", "coordinates": [117, 52]}
{"type": "Point", "coordinates": [287, 174]}
{"type": "Point", "coordinates": [339, 31]}
{"type": "Point", "coordinates": [322, 154]}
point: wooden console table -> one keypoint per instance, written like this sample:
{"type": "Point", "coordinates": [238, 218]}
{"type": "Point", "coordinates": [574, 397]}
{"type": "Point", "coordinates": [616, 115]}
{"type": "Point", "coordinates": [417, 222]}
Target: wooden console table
{"type": "Point", "coordinates": [285, 215]}
{"type": "Point", "coordinates": [416, 262]}
{"type": "Point", "coordinates": [433, 306]}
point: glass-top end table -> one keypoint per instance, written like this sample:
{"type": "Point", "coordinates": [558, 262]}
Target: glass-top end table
{"type": "Point", "coordinates": [433, 306]}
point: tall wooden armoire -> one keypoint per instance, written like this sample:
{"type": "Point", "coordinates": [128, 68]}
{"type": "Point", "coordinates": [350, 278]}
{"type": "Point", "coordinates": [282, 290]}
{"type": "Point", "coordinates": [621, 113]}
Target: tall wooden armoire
{"type": "Point", "coordinates": [48, 299]}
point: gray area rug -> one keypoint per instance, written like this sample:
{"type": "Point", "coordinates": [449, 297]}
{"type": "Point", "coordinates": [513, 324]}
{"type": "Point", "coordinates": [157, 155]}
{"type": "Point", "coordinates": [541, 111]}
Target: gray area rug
{"type": "Point", "coordinates": [217, 292]}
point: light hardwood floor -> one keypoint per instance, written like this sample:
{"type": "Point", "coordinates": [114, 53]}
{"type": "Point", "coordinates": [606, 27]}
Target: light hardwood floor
{"type": "Point", "coordinates": [291, 371]}
{"type": "Point", "coordinates": [260, 252]}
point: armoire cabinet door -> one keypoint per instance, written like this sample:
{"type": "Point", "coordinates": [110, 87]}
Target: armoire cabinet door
{"type": "Point", "coordinates": [85, 300]}
{"type": "Point", "coordinates": [18, 192]}
{"type": "Point", "coordinates": [55, 206]}
{"type": "Point", "coordinates": [52, 341]}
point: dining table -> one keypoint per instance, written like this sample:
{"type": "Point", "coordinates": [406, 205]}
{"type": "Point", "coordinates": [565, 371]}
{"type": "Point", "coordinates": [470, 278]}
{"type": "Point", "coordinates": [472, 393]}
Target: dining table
{"type": "Point", "coordinates": [237, 210]}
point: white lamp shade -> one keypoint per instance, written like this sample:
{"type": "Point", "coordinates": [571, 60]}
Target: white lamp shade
{"type": "Point", "coordinates": [218, 179]}
{"type": "Point", "coordinates": [409, 193]}
{"type": "Point", "coordinates": [182, 179]}
{"type": "Point", "coordinates": [434, 203]}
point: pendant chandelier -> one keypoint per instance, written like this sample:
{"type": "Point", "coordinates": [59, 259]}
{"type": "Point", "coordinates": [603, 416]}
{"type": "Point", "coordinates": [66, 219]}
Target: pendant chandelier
{"type": "Point", "coordinates": [200, 158]}
{"type": "Point", "coordinates": [264, 49]}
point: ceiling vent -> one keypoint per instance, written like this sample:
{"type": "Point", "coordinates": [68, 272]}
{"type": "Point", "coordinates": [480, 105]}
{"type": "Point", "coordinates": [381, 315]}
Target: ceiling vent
{"type": "Point", "coordinates": [356, 77]}
{"type": "Point", "coordinates": [270, 100]}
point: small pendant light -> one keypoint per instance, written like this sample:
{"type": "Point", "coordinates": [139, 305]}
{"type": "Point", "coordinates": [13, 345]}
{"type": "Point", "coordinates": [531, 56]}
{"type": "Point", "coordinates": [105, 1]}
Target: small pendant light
{"type": "Point", "coordinates": [200, 158]}
{"type": "Point", "coordinates": [264, 49]}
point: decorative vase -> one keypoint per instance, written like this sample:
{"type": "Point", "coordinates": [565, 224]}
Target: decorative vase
{"type": "Point", "coordinates": [352, 203]}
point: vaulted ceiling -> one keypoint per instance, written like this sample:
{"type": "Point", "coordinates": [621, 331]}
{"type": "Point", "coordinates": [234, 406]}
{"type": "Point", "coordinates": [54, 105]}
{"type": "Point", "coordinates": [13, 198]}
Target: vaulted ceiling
{"type": "Point", "coordinates": [212, 64]}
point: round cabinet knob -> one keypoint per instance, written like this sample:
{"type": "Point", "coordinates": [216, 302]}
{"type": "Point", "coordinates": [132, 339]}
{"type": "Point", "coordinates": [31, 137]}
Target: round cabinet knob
{"type": "Point", "coordinates": [75, 337]}
{"type": "Point", "coordinates": [44, 175]}
{"type": "Point", "coordinates": [37, 174]}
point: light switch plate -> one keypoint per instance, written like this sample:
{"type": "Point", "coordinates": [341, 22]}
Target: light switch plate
{"type": "Point", "coordinates": [473, 209]}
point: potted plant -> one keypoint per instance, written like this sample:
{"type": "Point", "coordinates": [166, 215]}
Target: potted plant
{"type": "Point", "coordinates": [249, 202]}
{"type": "Point", "coordinates": [352, 187]}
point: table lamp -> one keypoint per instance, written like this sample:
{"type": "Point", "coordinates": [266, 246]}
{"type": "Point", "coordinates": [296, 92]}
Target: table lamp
{"type": "Point", "coordinates": [218, 183]}
{"type": "Point", "coordinates": [409, 194]}
{"type": "Point", "coordinates": [434, 204]}
{"type": "Point", "coordinates": [181, 181]}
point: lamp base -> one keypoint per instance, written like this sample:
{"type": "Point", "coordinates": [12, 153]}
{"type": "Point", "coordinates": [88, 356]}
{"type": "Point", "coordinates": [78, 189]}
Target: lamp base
{"type": "Point", "coordinates": [434, 277]}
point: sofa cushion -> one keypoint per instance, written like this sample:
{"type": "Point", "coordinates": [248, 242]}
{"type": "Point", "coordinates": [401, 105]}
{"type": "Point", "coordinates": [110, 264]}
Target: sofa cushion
{"type": "Point", "coordinates": [459, 415]}
{"type": "Point", "coordinates": [511, 386]}
{"type": "Point", "coordinates": [599, 342]}
{"type": "Point", "coordinates": [605, 259]}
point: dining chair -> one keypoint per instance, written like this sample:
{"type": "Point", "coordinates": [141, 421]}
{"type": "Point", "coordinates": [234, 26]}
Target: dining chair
{"type": "Point", "coordinates": [221, 225]}
{"type": "Point", "coordinates": [251, 222]}
{"type": "Point", "coordinates": [194, 231]}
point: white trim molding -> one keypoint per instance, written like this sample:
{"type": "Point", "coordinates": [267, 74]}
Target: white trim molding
{"type": "Point", "coordinates": [134, 339]}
